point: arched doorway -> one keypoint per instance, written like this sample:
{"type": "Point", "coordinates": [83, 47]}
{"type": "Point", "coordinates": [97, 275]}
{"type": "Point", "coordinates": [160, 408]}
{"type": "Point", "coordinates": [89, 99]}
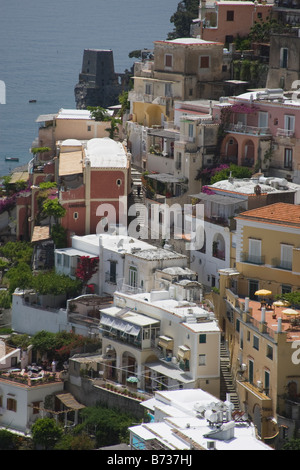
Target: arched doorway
{"type": "Point", "coordinates": [248, 153]}
{"type": "Point", "coordinates": [128, 366]}
{"type": "Point", "coordinates": [218, 246]}
{"type": "Point", "coordinates": [231, 150]}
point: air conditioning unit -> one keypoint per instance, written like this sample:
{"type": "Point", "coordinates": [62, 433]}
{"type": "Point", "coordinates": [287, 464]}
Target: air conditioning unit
{"type": "Point", "coordinates": [243, 367]}
{"type": "Point", "coordinates": [211, 445]}
{"type": "Point", "coordinates": [259, 385]}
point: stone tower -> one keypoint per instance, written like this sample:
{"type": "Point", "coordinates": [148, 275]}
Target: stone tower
{"type": "Point", "coordinates": [98, 84]}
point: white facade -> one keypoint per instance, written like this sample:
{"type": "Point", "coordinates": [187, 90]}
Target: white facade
{"type": "Point", "coordinates": [184, 348]}
{"type": "Point", "coordinates": [122, 260]}
{"type": "Point", "coordinates": [17, 401]}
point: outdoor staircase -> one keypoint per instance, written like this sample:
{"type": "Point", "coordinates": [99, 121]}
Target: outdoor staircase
{"type": "Point", "coordinates": [226, 381]}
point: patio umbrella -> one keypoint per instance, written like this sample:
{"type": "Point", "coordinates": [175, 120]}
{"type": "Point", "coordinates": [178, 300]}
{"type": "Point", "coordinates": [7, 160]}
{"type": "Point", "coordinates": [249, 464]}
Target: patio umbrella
{"type": "Point", "coordinates": [263, 293]}
{"type": "Point", "coordinates": [281, 303]}
{"type": "Point", "coordinates": [290, 311]}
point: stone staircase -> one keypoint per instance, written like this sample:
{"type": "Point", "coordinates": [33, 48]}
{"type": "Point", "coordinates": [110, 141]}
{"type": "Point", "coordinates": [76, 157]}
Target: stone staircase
{"type": "Point", "coordinates": [226, 381]}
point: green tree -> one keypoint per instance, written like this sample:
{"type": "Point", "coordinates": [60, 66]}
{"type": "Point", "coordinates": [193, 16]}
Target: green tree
{"type": "Point", "coordinates": [124, 102]}
{"type": "Point", "coordinates": [19, 276]}
{"type": "Point", "coordinates": [235, 170]}
{"type": "Point", "coordinates": [45, 432]}
{"type": "Point", "coordinates": [75, 442]}
{"type": "Point", "coordinates": [56, 284]}
{"type": "Point", "coordinates": [52, 208]}
{"type": "Point", "coordinates": [114, 128]}
{"type": "Point", "coordinates": [98, 113]}
{"type": "Point", "coordinates": [8, 440]}
{"type": "Point", "coordinates": [187, 11]}
{"type": "Point", "coordinates": [291, 444]}
{"type": "Point", "coordinates": [109, 425]}
{"type": "Point", "coordinates": [59, 236]}
{"type": "Point", "coordinates": [17, 252]}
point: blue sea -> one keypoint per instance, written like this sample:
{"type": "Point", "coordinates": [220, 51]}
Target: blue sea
{"type": "Point", "coordinates": [41, 51]}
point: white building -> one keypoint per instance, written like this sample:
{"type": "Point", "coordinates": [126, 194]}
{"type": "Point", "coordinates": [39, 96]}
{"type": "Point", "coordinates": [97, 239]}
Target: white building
{"type": "Point", "coordinates": [124, 261]}
{"type": "Point", "coordinates": [163, 340]}
{"type": "Point", "coordinates": [193, 420]}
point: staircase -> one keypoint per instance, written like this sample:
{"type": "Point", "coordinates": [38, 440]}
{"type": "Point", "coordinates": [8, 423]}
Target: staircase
{"type": "Point", "coordinates": [226, 381]}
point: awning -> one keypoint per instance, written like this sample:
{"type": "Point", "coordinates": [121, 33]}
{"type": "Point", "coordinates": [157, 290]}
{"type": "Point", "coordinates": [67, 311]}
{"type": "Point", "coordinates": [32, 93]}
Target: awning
{"type": "Point", "coordinates": [69, 401]}
{"type": "Point", "coordinates": [40, 233]}
{"type": "Point", "coordinates": [165, 178]}
{"type": "Point", "coordinates": [120, 325]}
{"type": "Point", "coordinates": [165, 342]}
{"type": "Point", "coordinates": [70, 163]}
{"type": "Point", "coordinates": [184, 353]}
{"type": "Point", "coordinates": [171, 372]}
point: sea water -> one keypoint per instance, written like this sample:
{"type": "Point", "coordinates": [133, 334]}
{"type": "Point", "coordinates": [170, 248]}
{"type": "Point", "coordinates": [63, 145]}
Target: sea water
{"type": "Point", "coordinates": [41, 51]}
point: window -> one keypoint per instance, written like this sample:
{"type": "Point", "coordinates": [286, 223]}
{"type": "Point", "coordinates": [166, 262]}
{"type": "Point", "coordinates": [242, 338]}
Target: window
{"type": "Point", "coordinates": [289, 123]}
{"type": "Point", "coordinates": [250, 371]}
{"type": "Point", "coordinates": [35, 407]}
{"type": "Point", "coordinates": [204, 62]}
{"type": "Point", "coordinates": [132, 276]}
{"type": "Point", "coordinates": [256, 342]}
{"type": "Point", "coordinates": [202, 360]}
{"type": "Point", "coordinates": [178, 161]}
{"type": "Point", "coordinates": [267, 382]}
{"type": "Point", "coordinates": [168, 89]}
{"type": "Point", "coordinates": [113, 272]}
{"type": "Point", "coordinates": [168, 60]}
{"type": "Point", "coordinates": [288, 158]}
{"type": "Point", "coordinates": [237, 325]}
{"type": "Point", "coordinates": [89, 128]}
{"type": "Point", "coordinates": [230, 15]}
{"type": "Point", "coordinates": [118, 182]}
{"type": "Point", "coordinates": [286, 256]}
{"type": "Point", "coordinates": [262, 119]}
{"type": "Point", "coordinates": [66, 261]}
{"type": "Point", "coordinates": [58, 259]}
{"type": "Point", "coordinates": [75, 215]}
{"type": "Point", "coordinates": [202, 338]}
{"type": "Point", "coordinates": [254, 251]}
{"type": "Point", "coordinates": [283, 57]}
{"type": "Point", "coordinates": [11, 404]}
{"type": "Point", "coordinates": [286, 289]}
{"type": "Point", "coordinates": [248, 335]}
{"type": "Point", "coordinates": [269, 353]}
{"type": "Point", "coordinates": [148, 89]}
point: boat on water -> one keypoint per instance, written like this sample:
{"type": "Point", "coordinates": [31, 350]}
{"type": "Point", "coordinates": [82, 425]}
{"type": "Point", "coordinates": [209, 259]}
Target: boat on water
{"type": "Point", "coordinates": [11, 159]}
{"type": "Point", "coordinates": [32, 101]}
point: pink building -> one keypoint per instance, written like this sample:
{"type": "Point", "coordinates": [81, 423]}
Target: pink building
{"type": "Point", "coordinates": [225, 20]}
{"type": "Point", "coordinates": [261, 132]}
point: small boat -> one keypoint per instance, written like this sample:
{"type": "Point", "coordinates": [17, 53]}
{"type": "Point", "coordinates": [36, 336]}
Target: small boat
{"type": "Point", "coordinates": [32, 101]}
{"type": "Point", "coordinates": [11, 159]}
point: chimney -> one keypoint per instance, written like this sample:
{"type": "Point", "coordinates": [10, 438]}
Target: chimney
{"type": "Point", "coordinates": [279, 325]}
{"type": "Point", "coordinates": [263, 314]}
{"type": "Point", "coordinates": [247, 304]}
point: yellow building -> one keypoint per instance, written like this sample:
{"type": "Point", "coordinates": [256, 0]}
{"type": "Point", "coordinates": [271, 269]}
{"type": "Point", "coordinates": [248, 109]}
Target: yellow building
{"type": "Point", "coordinates": [184, 69]}
{"type": "Point", "coordinates": [262, 340]}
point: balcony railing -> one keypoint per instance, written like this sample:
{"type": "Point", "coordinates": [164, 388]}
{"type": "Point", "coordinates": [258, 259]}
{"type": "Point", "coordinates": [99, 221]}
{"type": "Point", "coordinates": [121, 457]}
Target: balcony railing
{"type": "Point", "coordinates": [244, 129]}
{"type": "Point", "coordinates": [282, 264]}
{"type": "Point", "coordinates": [253, 259]}
{"type": "Point", "coordinates": [285, 133]}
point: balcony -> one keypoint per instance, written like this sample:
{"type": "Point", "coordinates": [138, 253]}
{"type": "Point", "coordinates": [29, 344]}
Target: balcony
{"type": "Point", "coordinates": [252, 259]}
{"type": "Point", "coordinates": [282, 264]}
{"type": "Point", "coordinates": [285, 133]}
{"type": "Point", "coordinates": [249, 130]}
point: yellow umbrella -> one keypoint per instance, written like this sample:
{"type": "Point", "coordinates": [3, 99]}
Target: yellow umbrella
{"type": "Point", "coordinates": [281, 303]}
{"type": "Point", "coordinates": [263, 293]}
{"type": "Point", "coordinates": [290, 311]}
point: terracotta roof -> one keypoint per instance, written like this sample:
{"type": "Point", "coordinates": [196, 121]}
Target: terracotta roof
{"type": "Point", "coordinates": [279, 213]}
{"type": "Point", "coordinates": [40, 233]}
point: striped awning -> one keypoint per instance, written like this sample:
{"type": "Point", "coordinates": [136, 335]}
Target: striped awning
{"type": "Point", "coordinates": [165, 342]}
{"type": "Point", "coordinates": [184, 352]}
{"type": "Point", "coordinates": [69, 401]}
{"type": "Point", "coordinates": [120, 325]}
